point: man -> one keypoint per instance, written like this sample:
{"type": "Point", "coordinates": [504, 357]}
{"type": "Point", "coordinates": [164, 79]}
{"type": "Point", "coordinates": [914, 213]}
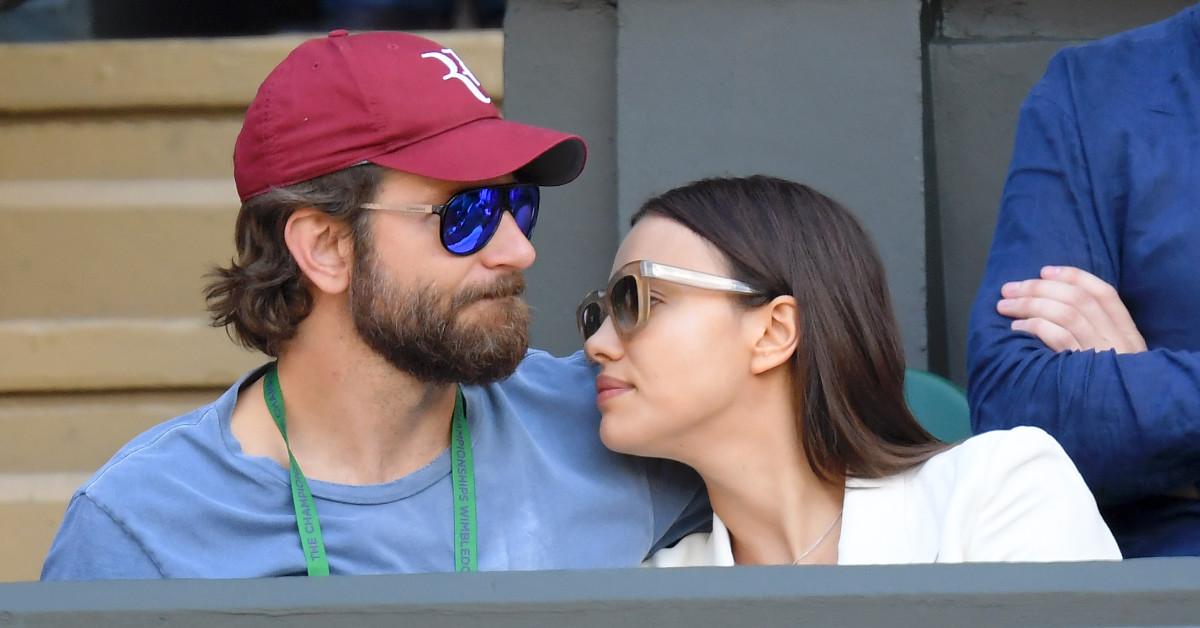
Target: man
{"type": "Point", "coordinates": [1085, 324]}
{"type": "Point", "coordinates": [383, 232]}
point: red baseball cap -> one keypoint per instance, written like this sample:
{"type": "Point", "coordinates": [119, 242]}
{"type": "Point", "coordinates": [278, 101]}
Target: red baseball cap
{"type": "Point", "coordinates": [393, 99]}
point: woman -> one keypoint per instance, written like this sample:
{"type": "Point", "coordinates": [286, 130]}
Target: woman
{"type": "Point", "coordinates": [747, 332]}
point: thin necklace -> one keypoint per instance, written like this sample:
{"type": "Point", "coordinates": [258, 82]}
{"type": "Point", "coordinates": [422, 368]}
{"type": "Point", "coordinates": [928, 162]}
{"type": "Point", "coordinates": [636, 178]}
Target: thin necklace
{"type": "Point", "coordinates": [820, 540]}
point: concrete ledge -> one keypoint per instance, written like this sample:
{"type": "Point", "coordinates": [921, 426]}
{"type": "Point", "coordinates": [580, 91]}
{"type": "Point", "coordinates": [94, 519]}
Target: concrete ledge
{"type": "Point", "coordinates": [1154, 592]}
{"type": "Point", "coordinates": [176, 73]}
{"type": "Point", "coordinates": [118, 354]}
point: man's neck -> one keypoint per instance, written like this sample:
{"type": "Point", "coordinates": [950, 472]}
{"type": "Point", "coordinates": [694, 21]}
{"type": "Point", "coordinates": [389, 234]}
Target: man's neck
{"type": "Point", "coordinates": [352, 418]}
{"type": "Point", "coordinates": [763, 489]}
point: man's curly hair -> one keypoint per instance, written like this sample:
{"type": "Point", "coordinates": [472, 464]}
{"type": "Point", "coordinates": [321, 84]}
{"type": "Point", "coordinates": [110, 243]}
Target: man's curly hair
{"type": "Point", "coordinates": [262, 296]}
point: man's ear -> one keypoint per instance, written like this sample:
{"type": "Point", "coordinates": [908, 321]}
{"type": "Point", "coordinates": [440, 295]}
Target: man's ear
{"type": "Point", "coordinates": [322, 248]}
{"type": "Point", "coordinates": [775, 331]}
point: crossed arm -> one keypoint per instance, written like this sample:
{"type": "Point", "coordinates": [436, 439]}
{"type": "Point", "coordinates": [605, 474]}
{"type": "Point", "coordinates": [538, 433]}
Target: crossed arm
{"type": "Point", "coordinates": [1054, 346]}
{"type": "Point", "coordinates": [1070, 309]}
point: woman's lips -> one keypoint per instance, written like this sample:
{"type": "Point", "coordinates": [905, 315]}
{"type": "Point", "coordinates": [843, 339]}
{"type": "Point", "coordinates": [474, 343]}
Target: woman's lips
{"type": "Point", "coordinates": [608, 387]}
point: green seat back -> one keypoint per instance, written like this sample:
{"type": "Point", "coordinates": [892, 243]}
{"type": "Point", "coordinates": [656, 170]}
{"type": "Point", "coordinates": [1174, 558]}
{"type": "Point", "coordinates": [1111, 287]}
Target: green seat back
{"type": "Point", "coordinates": [938, 404]}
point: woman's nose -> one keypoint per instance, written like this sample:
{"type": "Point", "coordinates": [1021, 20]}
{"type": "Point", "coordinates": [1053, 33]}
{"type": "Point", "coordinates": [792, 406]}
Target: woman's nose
{"type": "Point", "coordinates": [605, 345]}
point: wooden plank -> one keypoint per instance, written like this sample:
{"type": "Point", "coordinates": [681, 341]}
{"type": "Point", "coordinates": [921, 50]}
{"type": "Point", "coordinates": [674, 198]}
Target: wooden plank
{"type": "Point", "coordinates": [28, 528]}
{"type": "Point", "coordinates": [173, 73]}
{"type": "Point", "coordinates": [118, 354]}
{"type": "Point", "coordinates": [79, 432]}
{"type": "Point", "coordinates": [42, 195]}
{"type": "Point", "coordinates": [99, 249]}
{"type": "Point", "coordinates": [133, 145]}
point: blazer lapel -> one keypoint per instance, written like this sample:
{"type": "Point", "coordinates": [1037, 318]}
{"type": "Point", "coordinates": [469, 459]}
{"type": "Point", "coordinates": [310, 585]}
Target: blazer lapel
{"type": "Point", "coordinates": [879, 524]}
{"type": "Point", "coordinates": [720, 545]}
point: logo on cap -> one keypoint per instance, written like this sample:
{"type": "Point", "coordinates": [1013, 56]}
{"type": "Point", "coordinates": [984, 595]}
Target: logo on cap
{"type": "Point", "coordinates": [456, 69]}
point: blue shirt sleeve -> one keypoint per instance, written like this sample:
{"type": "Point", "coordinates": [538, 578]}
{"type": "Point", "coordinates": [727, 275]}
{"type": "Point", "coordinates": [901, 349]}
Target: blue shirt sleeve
{"type": "Point", "coordinates": [670, 495]}
{"type": "Point", "coordinates": [1130, 422]}
{"type": "Point", "coordinates": [90, 545]}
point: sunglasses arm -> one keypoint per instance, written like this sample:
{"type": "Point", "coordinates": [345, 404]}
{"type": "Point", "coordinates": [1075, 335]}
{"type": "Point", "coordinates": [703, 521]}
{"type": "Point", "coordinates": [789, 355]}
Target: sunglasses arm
{"type": "Point", "coordinates": [694, 278]}
{"type": "Point", "coordinates": [410, 208]}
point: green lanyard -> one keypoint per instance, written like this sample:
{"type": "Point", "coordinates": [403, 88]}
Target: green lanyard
{"type": "Point", "coordinates": [462, 483]}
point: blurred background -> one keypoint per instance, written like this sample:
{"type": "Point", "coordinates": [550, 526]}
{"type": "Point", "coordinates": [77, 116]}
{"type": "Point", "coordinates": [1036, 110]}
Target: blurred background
{"type": "Point", "coordinates": [61, 20]}
{"type": "Point", "coordinates": [117, 121]}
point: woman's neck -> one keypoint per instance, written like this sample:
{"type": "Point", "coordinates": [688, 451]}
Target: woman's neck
{"type": "Point", "coordinates": [761, 486]}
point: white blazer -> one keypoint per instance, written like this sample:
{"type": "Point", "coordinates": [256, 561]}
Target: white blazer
{"type": "Point", "coordinates": [1005, 496]}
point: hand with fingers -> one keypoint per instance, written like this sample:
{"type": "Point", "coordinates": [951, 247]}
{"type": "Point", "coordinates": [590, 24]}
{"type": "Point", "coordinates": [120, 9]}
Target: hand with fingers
{"type": "Point", "coordinates": [1070, 309]}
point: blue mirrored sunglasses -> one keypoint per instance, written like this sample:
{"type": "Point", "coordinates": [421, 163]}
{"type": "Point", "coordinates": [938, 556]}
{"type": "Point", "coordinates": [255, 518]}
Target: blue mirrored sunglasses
{"type": "Point", "coordinates": [470, 218]}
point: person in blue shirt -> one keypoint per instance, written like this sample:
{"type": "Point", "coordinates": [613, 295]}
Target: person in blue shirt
{"type": "Point", "coordinates": [1086, 321]}
{"type": "Point", "coordinates": [404, 426]}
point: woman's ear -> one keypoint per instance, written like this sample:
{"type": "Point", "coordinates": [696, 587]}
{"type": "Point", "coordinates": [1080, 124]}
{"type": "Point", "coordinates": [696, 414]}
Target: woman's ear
{"type": "Point", "coordinates": [321, 246]}
{"type": "Point", "coordinates": [775, 332]}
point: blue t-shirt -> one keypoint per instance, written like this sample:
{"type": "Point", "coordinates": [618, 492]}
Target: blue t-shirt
{"type": "Point", "coordinates": [1105, 176]}
{"type": "Point", "coordinates": [183, 501]}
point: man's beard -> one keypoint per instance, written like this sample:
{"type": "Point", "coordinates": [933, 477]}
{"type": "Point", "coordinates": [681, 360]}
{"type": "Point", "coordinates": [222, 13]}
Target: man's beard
{"type": "Point", "coordinates": [418, 332]}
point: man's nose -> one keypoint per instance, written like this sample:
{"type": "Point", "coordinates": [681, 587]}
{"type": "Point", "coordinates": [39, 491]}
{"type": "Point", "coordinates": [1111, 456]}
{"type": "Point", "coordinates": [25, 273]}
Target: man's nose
{"type": "Point", "coordinates": [509, 248]}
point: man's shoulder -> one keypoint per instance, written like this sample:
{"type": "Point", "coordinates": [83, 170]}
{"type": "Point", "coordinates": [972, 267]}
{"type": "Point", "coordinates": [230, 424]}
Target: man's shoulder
{"type": "Point", "coordinates": [1130, 62]}
{"type": "Point", "coordinates": [166, 451]}
{"type": "Point", "coordinates": [551, 403]}
{"type": "Point", "coordinates": [543, 365]}
{"type": "Point", "coordinates": [1179, 30]}
{"type": "Point", "coordinates": [568, 382]}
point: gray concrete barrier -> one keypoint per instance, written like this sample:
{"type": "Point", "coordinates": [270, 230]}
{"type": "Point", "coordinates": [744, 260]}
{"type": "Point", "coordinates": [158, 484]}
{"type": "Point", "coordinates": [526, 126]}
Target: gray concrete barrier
{"type": "Point", "coordinates": [1149, 592]}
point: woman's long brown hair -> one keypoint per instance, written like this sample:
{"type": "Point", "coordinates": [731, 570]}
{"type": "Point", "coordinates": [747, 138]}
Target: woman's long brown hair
{"type": "Point", "coordinates": [848, 370]}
